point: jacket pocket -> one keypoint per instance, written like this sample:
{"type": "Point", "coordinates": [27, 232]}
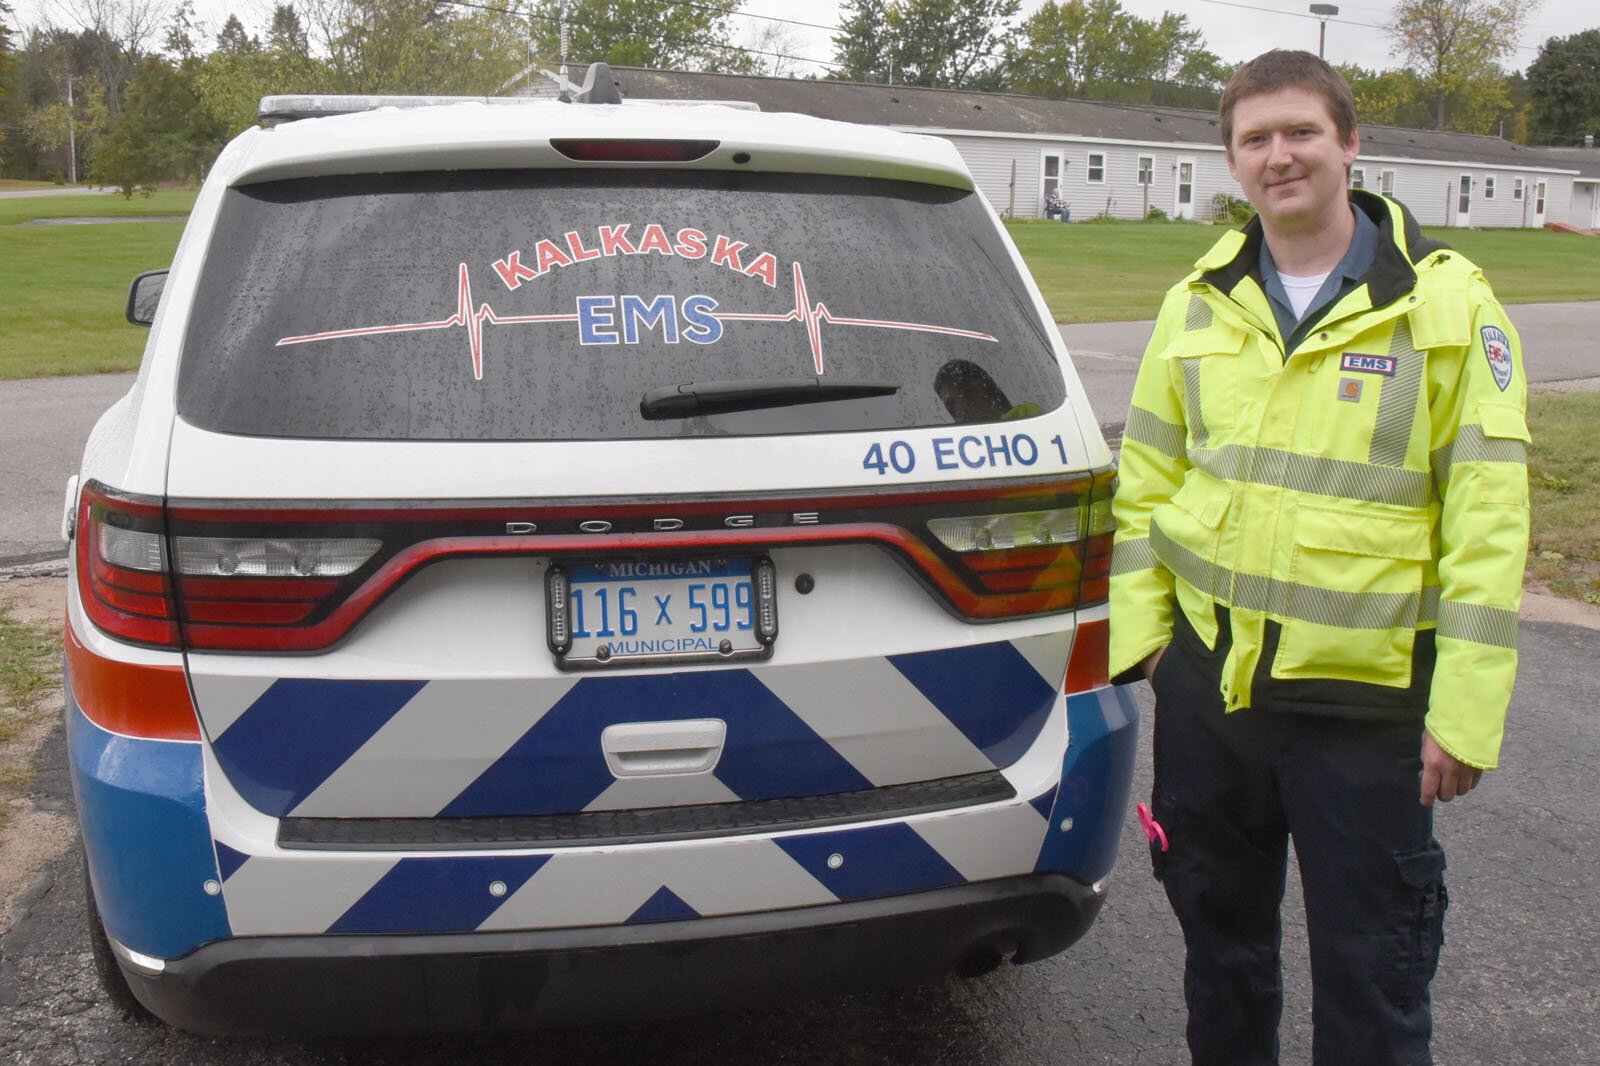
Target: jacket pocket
{"type": "Point", "coordinates": [1186, 536]}
{"type": "Point", "coordinates": [1205, 365]}
{"type": "Point", "coordinates": [1354, 595]}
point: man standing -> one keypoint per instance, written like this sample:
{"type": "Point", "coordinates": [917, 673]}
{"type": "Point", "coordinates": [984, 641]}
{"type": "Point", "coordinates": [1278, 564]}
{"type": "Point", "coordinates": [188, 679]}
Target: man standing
{"type": "Point", "coordinates": [1323, 522]}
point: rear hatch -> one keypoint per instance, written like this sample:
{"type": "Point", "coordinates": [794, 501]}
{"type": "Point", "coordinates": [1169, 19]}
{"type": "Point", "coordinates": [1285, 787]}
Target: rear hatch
{"type": "Point", "coordinates": [503, 503]}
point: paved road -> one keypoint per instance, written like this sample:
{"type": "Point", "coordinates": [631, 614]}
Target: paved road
{"type": "Point", "coordinates": [1561, 343]}
{"type": "Point", "coordinates": [1516, 988]}
{"type": "Point", "coordinates": [46, 420]}
{"type": "Point", "coordinates": [76, 190]}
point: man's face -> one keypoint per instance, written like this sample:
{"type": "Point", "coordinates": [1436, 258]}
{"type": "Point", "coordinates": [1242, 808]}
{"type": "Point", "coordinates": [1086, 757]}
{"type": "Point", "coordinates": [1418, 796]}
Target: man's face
{"type": "Point", "coordinates": [1287, 155]}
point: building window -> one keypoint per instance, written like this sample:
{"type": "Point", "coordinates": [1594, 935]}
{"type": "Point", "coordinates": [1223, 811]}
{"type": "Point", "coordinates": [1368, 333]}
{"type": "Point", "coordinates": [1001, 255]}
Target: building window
{"type": "Point", "coordinates": [1097, 168]}
{"type": "Point", "coordinates": [1488, 188]}
{"type": "Point", "coordinates": [1358, 178]}
{"type": "Point", "coordinates": [1386, 182]}
{"type": "Point", "coordinates": [1147, 170]}
{"type": "Point", "coordinates": [1516, 188]}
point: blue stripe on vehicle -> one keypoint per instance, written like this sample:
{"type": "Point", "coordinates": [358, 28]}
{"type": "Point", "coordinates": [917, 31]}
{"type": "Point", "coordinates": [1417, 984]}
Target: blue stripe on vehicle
{"type": "Point", "coordinates": [664, 906]}
{"type": "Point", "coordinates": [1096, 779]}
{"type": "Point", "coordinates": [142, 807]}
{"type": "Point", "coordinates": [991, 693]}
{"type": "Point", "coordinates": [882, 860]}
{"type": "Point", "coordinates": [228, 860]}
{"type": "Point", "coordinates": [1045, 801]}
{"type": "Point", "coordinates": [427, 895]}
{"type": "Point", "coordinates": [299, 732]}
{"type": "Point", "coordinates": [558, 765]}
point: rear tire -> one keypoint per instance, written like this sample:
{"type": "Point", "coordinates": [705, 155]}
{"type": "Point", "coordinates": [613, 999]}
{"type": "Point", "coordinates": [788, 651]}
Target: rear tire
{"type": "Point", "coordinates": [112, 980]}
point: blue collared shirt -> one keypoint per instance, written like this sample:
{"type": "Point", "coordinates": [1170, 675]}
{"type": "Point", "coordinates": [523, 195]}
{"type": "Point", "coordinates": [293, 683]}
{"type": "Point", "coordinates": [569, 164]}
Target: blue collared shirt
{"type": "Point", "coordinates": [1341, 279]}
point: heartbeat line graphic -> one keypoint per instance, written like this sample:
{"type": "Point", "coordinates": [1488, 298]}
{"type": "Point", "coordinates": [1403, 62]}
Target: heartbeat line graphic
{"type": "Point", "coordinates": [811, 316]}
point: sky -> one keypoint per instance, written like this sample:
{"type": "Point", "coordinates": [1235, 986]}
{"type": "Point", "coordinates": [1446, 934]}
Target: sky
{"type": "Point", "coordinates": [1234, 29]}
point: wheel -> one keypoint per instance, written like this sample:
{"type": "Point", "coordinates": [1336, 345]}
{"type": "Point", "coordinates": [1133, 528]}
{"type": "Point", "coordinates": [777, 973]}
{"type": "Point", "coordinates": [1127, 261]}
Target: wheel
{"type": "Point", "coordinates": [106, 968]}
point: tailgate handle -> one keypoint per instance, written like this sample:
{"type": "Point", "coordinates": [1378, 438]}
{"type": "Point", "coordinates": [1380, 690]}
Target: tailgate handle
{"type": "Point", "coordinates": [658, 749]}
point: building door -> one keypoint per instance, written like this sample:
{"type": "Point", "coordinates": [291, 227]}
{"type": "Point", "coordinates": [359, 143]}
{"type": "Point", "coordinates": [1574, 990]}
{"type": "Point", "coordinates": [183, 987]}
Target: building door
{"type": "Point", "coordinates": [1538, 202]}
{"type": "Point", "coordinates": [1183, 195]}
{"type": "Point", "coordinates": [1052, 184]}
{"type": "Point", "coordinates": [1464, 201]}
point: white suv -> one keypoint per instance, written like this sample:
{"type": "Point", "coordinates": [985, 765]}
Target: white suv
{"type": "Point", "coordinates": [570, 561]}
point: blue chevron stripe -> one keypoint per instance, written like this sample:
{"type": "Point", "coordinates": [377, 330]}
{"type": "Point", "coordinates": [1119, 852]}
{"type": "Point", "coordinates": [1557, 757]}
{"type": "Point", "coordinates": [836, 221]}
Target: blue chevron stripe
{"type": "Point", "coordinates": [437, 895]}
{"type": "Point", "coordinates": [664, 906]}
{"type": "Point", "coordinates": [228, 860]}
{"type": "Point", "coordinates": [881, 860]}
{"type": "Point", "coordinates": [299, 732]}
{"type": "Point", "coordinates": [558, 765]}
{"type": "Point", "coordinates": [991, 693]}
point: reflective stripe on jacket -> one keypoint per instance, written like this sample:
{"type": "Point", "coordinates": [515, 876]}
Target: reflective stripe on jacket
{"type": "Point", "coordinates": [1371, 485]}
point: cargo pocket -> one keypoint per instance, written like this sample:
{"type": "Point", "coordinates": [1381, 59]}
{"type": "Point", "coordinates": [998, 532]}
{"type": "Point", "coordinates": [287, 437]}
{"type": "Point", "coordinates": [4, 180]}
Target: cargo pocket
{"type": "Point", "coordinates": [1506, 438]}
{"type": "Point", "coordinates": [1350, 608]}
{"type": "Point", "coordinates": [1417, 925]}
{"type": "Point", "coordinates": [1186, 534]}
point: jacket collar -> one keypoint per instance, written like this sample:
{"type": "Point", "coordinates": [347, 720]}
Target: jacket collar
{"type": "Point", "coordinates": [1401, 244]}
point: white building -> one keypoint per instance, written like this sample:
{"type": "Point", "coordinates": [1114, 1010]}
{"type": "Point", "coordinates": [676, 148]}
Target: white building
{"type": "Point", "coordinates": [1124, 160]}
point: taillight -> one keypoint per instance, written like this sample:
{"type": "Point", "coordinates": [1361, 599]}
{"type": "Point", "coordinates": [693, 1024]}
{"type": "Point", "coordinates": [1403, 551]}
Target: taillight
{"type": "Point", "coordinates": [1037, 560]}
{"type": "Point", "coordinates": [123, 577]}
{"type": "Point", "coordinates": [131, 698]}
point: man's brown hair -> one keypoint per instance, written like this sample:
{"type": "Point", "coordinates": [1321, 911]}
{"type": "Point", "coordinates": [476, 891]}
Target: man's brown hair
{"type": "Point", "coordinates": [1285, 69]}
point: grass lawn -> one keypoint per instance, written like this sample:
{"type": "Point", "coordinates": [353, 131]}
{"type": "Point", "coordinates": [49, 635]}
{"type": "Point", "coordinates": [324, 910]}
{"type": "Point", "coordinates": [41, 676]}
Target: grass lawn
{"type": "Point", "coordinates": [1564, 477]}
{"type": "Point", "coordinates": [66, 285]}
{"type": "Point", "coordinates": [1118, 271]}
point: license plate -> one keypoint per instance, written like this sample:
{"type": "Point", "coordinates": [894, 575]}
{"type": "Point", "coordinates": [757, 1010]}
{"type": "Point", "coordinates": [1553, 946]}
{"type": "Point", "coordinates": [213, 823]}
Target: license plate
{"type": "Point", "coordinates": [615, 612]}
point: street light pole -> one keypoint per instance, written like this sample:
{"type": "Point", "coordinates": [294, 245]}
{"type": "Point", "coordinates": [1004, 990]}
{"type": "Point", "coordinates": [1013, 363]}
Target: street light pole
{"type": "Point", "coordinates": [1323, 13]}
{"type": "Point", "coordinates": [72, 134]}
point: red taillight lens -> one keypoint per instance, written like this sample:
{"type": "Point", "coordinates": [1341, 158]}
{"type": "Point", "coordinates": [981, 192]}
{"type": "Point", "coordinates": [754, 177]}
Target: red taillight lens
{"type": "Point", "coordinates": [134, 699]}
{"type": "Point", "coordinates": [122, 567]}
{"type": "Point", "coordinates": [1090, 665]}
{"type": "Point", "coordinates": [601, 150]}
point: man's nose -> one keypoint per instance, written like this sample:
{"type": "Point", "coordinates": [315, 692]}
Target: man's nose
{"type": "Point", "coordinates": [1278, 154]}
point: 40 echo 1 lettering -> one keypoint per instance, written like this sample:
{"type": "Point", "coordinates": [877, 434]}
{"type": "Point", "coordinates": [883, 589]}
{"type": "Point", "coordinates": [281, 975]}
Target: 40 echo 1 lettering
{"type": "Point", "coordinates": [970, 451]}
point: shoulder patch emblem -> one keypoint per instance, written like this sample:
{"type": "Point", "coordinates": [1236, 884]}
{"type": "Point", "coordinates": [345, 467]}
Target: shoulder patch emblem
{"type": "Point", "coordinates": [1497, 348]}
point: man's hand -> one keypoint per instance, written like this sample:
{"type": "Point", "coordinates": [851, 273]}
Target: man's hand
{"type": "Point", "coordinates": [1444, 777]}
{"type": "Point", "coordinates": [1149, 664]}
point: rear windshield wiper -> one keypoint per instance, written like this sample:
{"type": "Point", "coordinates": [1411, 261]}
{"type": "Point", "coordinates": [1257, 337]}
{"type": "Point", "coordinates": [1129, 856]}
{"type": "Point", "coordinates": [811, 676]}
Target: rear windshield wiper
{"type": "Point", "coordinates": [749, 394]}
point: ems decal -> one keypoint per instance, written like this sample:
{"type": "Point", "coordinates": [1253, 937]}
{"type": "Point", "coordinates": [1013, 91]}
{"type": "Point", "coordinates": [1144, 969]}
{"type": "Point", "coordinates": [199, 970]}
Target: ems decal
{"type": "Point", "coordinates": [1369, 364]}
{"type": "Point", "coordinates": [1497, 349]}
{"type": "Point", "coordinates": [604, 319]}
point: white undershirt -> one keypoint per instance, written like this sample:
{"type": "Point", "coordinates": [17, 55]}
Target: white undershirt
{"type": "Point", "coordinates": [1301, 290]}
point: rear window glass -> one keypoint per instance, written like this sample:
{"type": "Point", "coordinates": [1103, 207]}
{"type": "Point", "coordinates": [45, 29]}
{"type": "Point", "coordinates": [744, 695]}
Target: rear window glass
{"type": "Point", "coordinates": [547, 305]}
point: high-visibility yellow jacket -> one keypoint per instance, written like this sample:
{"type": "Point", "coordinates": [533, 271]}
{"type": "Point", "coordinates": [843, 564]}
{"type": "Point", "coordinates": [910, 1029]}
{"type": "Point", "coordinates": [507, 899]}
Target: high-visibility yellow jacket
{"type": "Point", "coordinates": [1367, 488]}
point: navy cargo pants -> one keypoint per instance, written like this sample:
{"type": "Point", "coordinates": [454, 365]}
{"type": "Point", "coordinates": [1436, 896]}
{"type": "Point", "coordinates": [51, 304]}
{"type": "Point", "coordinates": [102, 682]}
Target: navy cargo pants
{"type": "Point", "coordinates": [1230, 791]}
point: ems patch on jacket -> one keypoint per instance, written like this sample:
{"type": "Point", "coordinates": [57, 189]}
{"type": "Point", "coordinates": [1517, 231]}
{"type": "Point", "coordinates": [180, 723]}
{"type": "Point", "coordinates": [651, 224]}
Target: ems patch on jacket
{"type": "Point", "coordinates": [1369, 364]}
{"type": "Point", "coordinates": [1497, 347]}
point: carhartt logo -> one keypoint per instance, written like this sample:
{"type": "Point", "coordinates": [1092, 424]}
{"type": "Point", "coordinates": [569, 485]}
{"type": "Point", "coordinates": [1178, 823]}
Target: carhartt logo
{"type": "Point", "coordinates": [1350, 389]}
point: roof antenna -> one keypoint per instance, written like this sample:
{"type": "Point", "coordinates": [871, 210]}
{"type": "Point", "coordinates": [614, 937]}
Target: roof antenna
{"type": "Point", "coordinates": [564, 85]}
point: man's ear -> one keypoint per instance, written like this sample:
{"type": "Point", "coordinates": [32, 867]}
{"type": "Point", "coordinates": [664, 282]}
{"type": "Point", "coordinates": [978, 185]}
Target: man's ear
{"type": "Point", "coordinates": [1352, 148]}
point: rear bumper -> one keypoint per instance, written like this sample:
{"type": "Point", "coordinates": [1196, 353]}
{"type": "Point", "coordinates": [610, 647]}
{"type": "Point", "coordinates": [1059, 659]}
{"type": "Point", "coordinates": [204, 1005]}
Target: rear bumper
{"type": "Point", "coordinates": [478, 981]}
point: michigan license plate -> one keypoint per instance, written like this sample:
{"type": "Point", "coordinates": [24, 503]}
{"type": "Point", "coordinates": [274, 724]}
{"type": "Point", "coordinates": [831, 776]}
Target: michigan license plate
{"type": "Point", "coordinates": [626, 611]}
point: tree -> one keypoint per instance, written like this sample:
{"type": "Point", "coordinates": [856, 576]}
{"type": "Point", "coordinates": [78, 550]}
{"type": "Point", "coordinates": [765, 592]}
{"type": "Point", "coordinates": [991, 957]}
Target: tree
{"type": "Point", "coordinates": [950, 44]}
{"type": "Point", "coordinates": [640, 33]}
{"type": "Point", "coordinates": [162, 132]}
{"type": "Point", "coordinates": [233, 39]}
{"type": "Point", "coordinates": [1098, 49]}
{"type": "Point", "coordinates": [7, 69]}
{"type": "Point", "coordinates": [1564, 84]}
{"type": "Point", "coordinates": [1455, 47]}
{"type": "Point", "coordinates": [862, 47]}
{"type": "Point", "coordinates": [119, 33]}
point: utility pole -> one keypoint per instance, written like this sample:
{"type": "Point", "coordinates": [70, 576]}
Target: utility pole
{"type": "Point", "coordinates": [1323, 13]}
{"type": "Point", "coordinates": [72, 134]}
